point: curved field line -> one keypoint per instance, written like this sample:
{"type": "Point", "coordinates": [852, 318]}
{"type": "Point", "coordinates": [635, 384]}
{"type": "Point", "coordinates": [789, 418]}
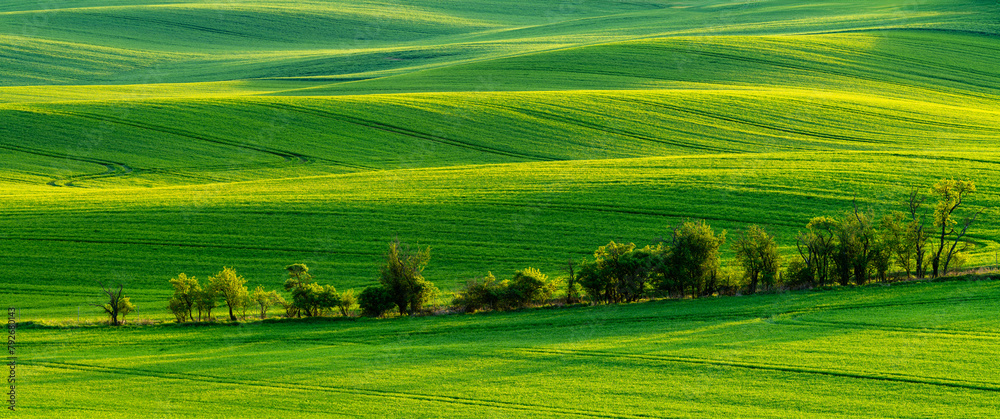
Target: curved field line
{"type": "Point", "coordinates": [288, 156]}
{"type": "Point", "coordinates": [892, 328]}
{"type": "Point", "coordinates": [406, 132]}
{"type": "Point", "coordinates": [540, 114]}
{"type": "Point", "coordinates": [184, 245]}
{"type": "Point", "coordinates": [456, 400]}
{"type": "Point", "coordinates": [169, 23]}
{"type": "Point", "coordinates": [111, 168]}
{"type": "Point", "coordinates": [891, 377]}
{"type": "Point", "coordinates": [735, 120]}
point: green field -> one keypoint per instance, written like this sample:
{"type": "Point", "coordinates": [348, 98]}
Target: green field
{"type": "Point", "coordinates": [144, 138]}
{"type": "Point", "coordinates": [910, 350]}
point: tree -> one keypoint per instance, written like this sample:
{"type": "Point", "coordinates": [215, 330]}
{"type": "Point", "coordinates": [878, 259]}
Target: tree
{"type": "Point", "coordinates": [117, 305]}
{"type": "Point", "coordinates": [816, 246]}
{"type": "Point", "coordinates": [757, 252]}
{"type": "Point", "coordinates": [479, 293]}
{"type": "Point", "coordinates": [402, 276]}
{"type": "Point", "coordinates": [528, 286]}
{"type": "Point", "coordinates": [347, 301]}
{"type": "Point", "coordinates": [375, 301]}
{"type": "Point", "coordinates": [951, 194]}
{"type": "Point", "coordinates": [572, 286]}
{"type": "Point", "coordinates": [205, 301]}
{"type": "Point", "coordinates": [186, 291]}
{"type": "Point", "coordinates": [897, 241]}
{"type": "Point", "coordinates": [694, 257]}
{"type": "Point", "coordinates": [916, 236]}
{"type": "Point", "coordinates": [854, 235]}
{"type": "Point", "coordinates": [299, 282]}
{"type": "Point", "coordinates": [602, 277]}
{"type": "Point", "coordinates": [264, 299]}
{"type": "Point", "coordinates": [231, 287]}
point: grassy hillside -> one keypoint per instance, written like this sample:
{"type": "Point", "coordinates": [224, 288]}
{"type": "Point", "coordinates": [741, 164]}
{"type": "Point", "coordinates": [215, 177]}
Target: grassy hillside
{"type": "Point", "coordinates": [909, 350]}
{"type": "Point", "coordinates": [143, 139]}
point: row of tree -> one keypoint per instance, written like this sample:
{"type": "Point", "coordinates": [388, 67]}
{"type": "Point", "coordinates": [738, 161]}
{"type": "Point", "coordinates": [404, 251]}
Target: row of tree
{"type": "Point", "coordinates": [854, 247]}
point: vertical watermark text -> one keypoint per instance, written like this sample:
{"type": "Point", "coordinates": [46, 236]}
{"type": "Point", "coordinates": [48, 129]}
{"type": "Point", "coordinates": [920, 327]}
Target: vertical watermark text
{"type": "Point", "coordinates": [12, 357]}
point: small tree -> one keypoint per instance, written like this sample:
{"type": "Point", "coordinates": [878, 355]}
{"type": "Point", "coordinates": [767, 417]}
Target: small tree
{"type": "Point", "coordinates": [206, 300]}
{"type": "Point", "coordinates": [951, 194]}
{"type": "Point", "coordinates": [402, 276]}
{"type": "Point", "coordinates": [264, 299]}
{"type": "Point", "coordinates": [186, 291]}
{"type": "Point", "coordinates": [375, 301]}
{"type": "Point", "coordinates": [527, 287]}
{"type": "Point", "coordinates": [572, 286]}
{"type": "Point", "coordinates": [816, 246]}
{"type": "Point", "coordinates": [479, 293]}
{"type": "Point", "coordinates": [694, 257]}
{"type": "Point", "coordinates": [757, 252]}
{"type": "Point", "coordinates": [231, 287]}
{"type": "Point", "coordinates": [117, 305]}
{"type": "Point", "coordinates": [327, 299]}
{"type": "Point", "coordinates": [347, 301]}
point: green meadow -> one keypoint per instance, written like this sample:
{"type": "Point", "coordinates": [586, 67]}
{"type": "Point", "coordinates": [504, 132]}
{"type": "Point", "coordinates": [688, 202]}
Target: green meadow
{"type": "Point", "coordinates": [144, 138]}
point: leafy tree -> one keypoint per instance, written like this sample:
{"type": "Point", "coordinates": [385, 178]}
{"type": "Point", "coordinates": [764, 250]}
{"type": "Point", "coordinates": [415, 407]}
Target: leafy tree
{"type": "Point", "coordinates": [478, 294]}
{"type": "Point", "coordinates": [347, 301]}
{"type": "Point", "coordinates": [117, 305]}
{"type": "Point", "coordinates": [402, 276]}
{"type": "Point", "coordinates": [757, 252]}
{"type": "Point", "coordinates": [264, 299]}
{"type": "Point", "coordinates": [327, 299]}
{"type": "Point", "coordinates": [951, 194]}
{"type": "Point", "coordinates": [916, 235]}
{"type": "Point", "coordinates": [528, 286]}
{"type": "Point", "coordinates": [231, 288]}
{"type": "Point", "coordinates": [205, 301]}
{"type": "Point", "coordinates": [816, 246]}
{"type": "Point", "coordinates": [186, 292]}
{"type": "Point", "coordinates": [303, 290]}
{"type": "Point", "coordinates": [375, 301]}
{"type": "Point", "coordinates": [572, 286]}
{"type": "Point", "coordinates": [896, 242]}
{"type": "Point", "coordinates": [601, 278]}
{"type": "Point", "coordinates": [694, 257]}
{"type": "Point", "coordinates": [298, 273]}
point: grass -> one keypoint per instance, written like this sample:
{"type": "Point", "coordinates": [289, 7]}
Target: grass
{"type": "Point", "coordinates": [908, 350]}
{"type": "Point", "coordinates": [141, 139]}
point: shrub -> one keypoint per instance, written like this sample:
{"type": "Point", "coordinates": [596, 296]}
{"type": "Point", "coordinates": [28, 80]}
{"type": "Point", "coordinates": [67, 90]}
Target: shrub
{"type": "Point", "coordinates": [402, 276]}
{"type": "Point", "coordinates": [478, 294]}
{"type": "Point", "coordinates": [347, 301]}
{"type": "Point", "coordinates": [529, 286]}
{"type": "Point", "coordinates": [375, 301]}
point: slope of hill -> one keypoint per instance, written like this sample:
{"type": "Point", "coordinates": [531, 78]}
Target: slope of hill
{"type": "Point", "coordinates": [163, 131]}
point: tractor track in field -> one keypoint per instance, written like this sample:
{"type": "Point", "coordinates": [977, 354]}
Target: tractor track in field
{"type": "Point", "coordinates": [379, 394]}
{"type": "Point", "coordinates": [771, 127]}
{"type": "Point", "coordinates": [405, 131]}
{"type": "Point", "coordinates": [183, 245]}
{"type": "Point", "coordinates": [892, 328]}
{"type": "Point", "coordinates": [120, 169]}
{"type": "Point", "coordinates": [287, 156]}
{"type": "Point", "coordinates": [673, 359]}
{"type": "Point", "coordinates": [175, 24]}
{"type": "Point", "coordinates": [111, 168]}
{"type": "Point", "coordinates": [551, 116]}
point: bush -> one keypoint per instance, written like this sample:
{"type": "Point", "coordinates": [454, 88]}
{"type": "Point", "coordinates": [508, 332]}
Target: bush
{"type": "Point", "coordinates": [529, 286]}
{"type": "Point", "coordinates": [375, 301]}
{"type": "Point", "coordinates": [479, 294]}
{"type": "Point", "coordinates": [798, 275]}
